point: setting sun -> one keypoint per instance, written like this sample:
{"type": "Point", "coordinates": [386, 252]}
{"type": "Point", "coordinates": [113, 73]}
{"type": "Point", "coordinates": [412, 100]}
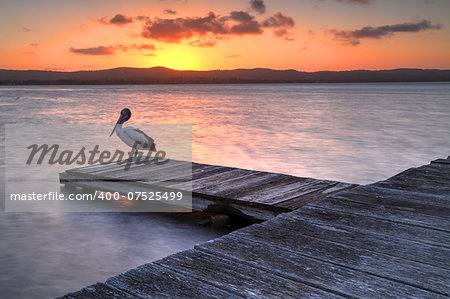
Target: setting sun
{"type": "Point", "coordinates": [177, 57]}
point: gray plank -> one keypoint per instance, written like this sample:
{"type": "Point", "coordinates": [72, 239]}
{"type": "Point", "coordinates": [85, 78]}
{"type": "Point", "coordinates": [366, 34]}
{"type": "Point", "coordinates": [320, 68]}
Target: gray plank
{"type": "Point", "coordinates": [292, 265]}
{"type": "Point", "coordinates": [251, 192]}
{"type": "Point", "coordinates": [164, 175]}
{"type": "Point", "coordinates": [430, 169]}
{"type": "Point", "coordinates": [99, 180]}
{"type": "Point", "coordinates": [139, 168]}
{"type": "Point", "coordinates": [153, 281]}
{"type": "Point", "coordinates": [386, 242]}
{"type": "Point", "coordinates": [287, 188]}
{"type": "Point", "coordinates": [124, 187]}
{"type": "Point", "coordinates": [441, 161]}
{"type": "Point", "coordinates": [235, 182]}
{"type": "Point", "coordinates": [97, 291]}
{"type": "Point", "coordinates": [412, 184]}
{"type": "Point", "coordinates": [348, 221]}
{"type": "Point", "coordinates": [108, 167]}
{"type": "Point", "coordinates": [314, 195]}
{"type": "Point", "coordinates": [271, 194]}
{"type": "Point", "coordinates": [116, 167]}
{"type": "Point", "coordinates": [258, 181]}
{"type": "Point", "coordinates": [429, 204]}
{"type": "Point", "coordinates": [204, 170]}
{"type": "Point", "coordinates": [222, 178]}
{"type": "Point", "coordinates": [419, 275]}
{"type": "Point", "coordinates": [239, 278]}
{"type": "Point", "coordinates": [366, 209]}
{"type": "Point", "coordinates": [93, 166]}
{"type": "Point", "coordinates": [438, 168]}
{"type": "Point", "coordinates": [434, 177]}
{"type": "Point", "coordinates": [150, 175]}
{"type": "Point", "coordinates": [203, 176]}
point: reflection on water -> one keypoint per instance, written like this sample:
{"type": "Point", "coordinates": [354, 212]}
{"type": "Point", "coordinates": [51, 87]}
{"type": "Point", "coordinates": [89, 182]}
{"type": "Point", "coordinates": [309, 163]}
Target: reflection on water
{"type": "Point", "coordinates": [357, 133]}
{"type": "Point", "coordinates": [45, 255]}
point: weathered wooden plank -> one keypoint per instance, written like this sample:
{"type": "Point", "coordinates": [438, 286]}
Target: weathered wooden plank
{"type": "Point", "coordinates": [428, 172]}
{"type": "Point", "coordinates": [441, 161]}
{"type": "Point", "coordinates": [340, 219]}
{"type": "Point", "coordinates": [203, 170]}
{"type": "Point", "coordinates": [124, 188]}
{"type": "Point", "coordinates": [434, 178]}
{"type": "Point", "coordinates": [98, 182]}
{"type": "Point", "coordinates": [250, 185]}
{"type": "Point", "coordinates": [366, 209]}
{"type": "Point", "coordinates": [93, 166]}
{"type": "Point", "coordinates": [278, 192]}
{"type": "Point", "coordinates": [272, 193]}
{"type": "Point", "coordinates": [153, 281]}
{"type": "Point", "coordinates": [429, 169]}
{"type": "Point", "coordinates": [338, 187]}
{"type": "Point", "coordinates": [299, 196]}
{"type": "Point", "coordinates": [315, 195]}
{"type": "Point", "coordinates": [269, 183]}
{"type": "Point", "coordinates": [429, 204]}
{"type": "Point", "coordinates": [420, 275]}
{"type": "Point", "coordinates": [98, 291]}
{"type": "Point", "coordinates": [255, 192]}
{"type": "Point", "coordinates": [220, 186]}
{"type": "Point", "coordinates": [100, 168]}
{"type": "Point", "coordinates": [386, 242]}
{"type": "Point", "coordinates": [438, 169]}
{"type": "Point", "coordinates": [435, 169]}
{"type": "Point", "coordinates": [199, 177]}
{"type": "Point", "coordinates": [292, 265]}
{"type": "Point", "coordinates": [222, 178]}
{"type": "Point", "coordinates": [139, 168]}
{"type": "Point", "coordinates": [163, 177]}
{"type": "Point", "coordinates": [238, 278]}
{"type": "Point", "coordinates": [412, 184]}
{"type": "Point", "coordinates": [175, 173]}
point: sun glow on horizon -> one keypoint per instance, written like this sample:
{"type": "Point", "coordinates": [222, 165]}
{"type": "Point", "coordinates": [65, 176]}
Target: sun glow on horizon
{"type": "Point", "coordinates": [177, 58]}
{"type": "Point", "coordinates": [211, 35]}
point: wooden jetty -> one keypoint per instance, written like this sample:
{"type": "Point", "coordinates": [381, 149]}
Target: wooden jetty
{"type": "Point", "coordinates": [256, 195]}
{"type": "Point", "coordinates": [384, 240]}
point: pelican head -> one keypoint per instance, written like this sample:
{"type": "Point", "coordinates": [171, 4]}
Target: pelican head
{"type": "Point", "coordinates": [125, 115]}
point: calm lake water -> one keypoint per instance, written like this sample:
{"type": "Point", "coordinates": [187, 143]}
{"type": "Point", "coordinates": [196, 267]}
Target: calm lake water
{"type": "Point", "coordinates": [357, 133]}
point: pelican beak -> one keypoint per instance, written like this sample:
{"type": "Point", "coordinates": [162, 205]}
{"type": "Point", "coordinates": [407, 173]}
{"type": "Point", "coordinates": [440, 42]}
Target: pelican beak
{"type": "Point", "coordinates": [113, 130]}
{"type": "Point", "coordinates": [118, 121]}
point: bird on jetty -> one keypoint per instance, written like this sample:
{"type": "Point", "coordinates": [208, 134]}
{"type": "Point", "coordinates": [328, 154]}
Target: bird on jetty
{"type": "Point", "coordinates": [132, 137]}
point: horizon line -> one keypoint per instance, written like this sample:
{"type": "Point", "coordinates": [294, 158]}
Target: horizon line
{"type": "Point", "coordinates": [211, 70]}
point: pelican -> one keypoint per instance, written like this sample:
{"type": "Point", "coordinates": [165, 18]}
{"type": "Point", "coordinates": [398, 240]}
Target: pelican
{"type": "Point", "coordinates": [132, 137]}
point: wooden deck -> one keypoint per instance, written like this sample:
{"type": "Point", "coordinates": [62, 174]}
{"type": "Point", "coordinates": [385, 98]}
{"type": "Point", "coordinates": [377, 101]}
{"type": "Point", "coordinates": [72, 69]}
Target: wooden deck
{"type": "Point", "coordinates": [252, 194]}
{"type": "Point", "coordinates": [384, 240]}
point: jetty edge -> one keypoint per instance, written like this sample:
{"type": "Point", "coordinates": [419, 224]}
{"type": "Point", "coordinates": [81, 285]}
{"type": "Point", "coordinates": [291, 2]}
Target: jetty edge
{"type": "Point", "coordinates": [387, 239]}
{"type": "Point", "coordinates": [249, 194]}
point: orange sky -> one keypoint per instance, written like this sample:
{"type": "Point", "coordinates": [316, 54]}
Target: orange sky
{"type": "Point", "coordinates": [305, 35]}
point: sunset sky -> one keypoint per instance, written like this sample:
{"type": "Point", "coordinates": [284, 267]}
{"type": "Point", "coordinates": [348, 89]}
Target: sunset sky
{"type": "Point", "coordinates": [307, 35]}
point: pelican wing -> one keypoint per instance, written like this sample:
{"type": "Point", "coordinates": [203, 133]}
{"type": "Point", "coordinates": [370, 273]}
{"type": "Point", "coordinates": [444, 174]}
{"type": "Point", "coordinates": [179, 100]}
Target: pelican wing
{"type": "Point", "coordinates": [140, 138]}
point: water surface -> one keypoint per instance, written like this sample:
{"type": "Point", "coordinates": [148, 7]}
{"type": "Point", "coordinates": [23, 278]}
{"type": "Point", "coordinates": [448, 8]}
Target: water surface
{"type": "Point", "coordinates": [357, 133]}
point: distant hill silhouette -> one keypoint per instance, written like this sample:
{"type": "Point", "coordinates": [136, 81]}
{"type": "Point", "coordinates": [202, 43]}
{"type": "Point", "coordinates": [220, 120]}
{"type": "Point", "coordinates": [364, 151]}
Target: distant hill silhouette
{"type": "Point", "coordinates": [126, 75]}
